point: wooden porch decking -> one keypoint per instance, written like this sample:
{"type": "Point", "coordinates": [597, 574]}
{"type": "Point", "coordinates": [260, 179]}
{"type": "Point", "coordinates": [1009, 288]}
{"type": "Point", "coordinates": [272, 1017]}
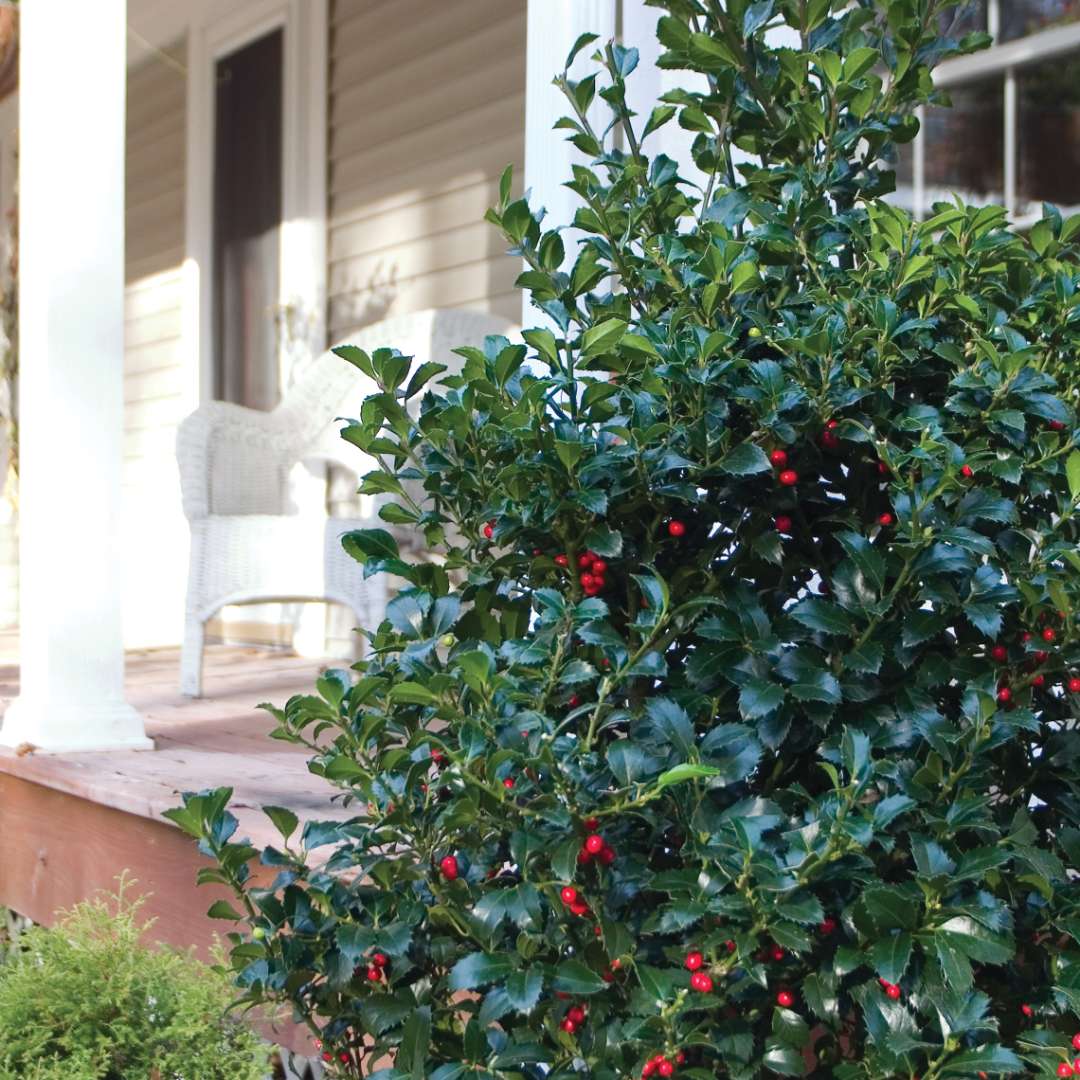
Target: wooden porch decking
{"type": "Point", "coordinates": [70, 823]}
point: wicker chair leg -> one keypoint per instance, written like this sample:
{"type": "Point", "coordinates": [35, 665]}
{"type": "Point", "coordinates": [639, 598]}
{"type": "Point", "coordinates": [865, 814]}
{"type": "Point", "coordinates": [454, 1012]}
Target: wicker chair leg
{"type": "Point", "coordinates": [191, 657]}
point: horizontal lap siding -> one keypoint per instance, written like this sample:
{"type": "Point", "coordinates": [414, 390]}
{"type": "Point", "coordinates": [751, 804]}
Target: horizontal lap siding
{"type": "Point", "coordinates": [427, 107]}
{"type": "Point", "coordinates": [157, 373]}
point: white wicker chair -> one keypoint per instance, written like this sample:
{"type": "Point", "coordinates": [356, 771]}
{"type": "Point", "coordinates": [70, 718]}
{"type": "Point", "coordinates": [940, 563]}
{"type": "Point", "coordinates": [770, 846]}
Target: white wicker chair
{"type": "Point", "coordinates": [249, 543]}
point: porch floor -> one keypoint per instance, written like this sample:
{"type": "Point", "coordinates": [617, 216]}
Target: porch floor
{"type": "Point", "coordinates": [214, 741]}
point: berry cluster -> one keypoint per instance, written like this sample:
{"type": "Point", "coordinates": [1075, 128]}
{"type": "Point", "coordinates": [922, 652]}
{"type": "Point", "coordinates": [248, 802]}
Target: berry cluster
{"type": "Point", "coordinates": [596, 847]}
{"type": "Point", "coordinates": [574, 1018]}
{"type": "Point", "coordinates": [661, 1065]}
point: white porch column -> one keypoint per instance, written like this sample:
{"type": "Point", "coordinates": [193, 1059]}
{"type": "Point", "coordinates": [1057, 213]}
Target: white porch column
{"type": "Point", "coordinates": [646, 85]}
{"type": "Point", "coordinates": [71, 327]}
{"type": "Point", "coordinates": [553, 27]}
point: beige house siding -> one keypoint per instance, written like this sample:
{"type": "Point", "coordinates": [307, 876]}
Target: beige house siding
{"type": "Point", "coordinates": [157, 376]}
{"type": "Point", "coordinates": [427, 107]}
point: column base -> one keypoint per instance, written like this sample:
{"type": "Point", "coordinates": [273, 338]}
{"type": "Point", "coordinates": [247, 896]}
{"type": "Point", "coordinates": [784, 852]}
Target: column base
{"type": "Point", "coordinates": [72, 729]}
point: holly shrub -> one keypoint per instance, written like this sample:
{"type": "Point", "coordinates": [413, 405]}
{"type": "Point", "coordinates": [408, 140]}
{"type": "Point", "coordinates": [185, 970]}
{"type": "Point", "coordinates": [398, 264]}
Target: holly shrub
{"type": "Point", "coordinates": [731, 726]}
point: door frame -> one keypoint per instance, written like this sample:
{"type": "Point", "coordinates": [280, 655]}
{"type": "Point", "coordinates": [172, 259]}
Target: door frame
{"type": "Point", "coordinates": [212, 35]}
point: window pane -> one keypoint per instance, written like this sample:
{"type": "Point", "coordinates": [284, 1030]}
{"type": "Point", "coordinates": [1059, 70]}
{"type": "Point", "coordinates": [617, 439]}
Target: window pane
{"type": "Point", "coordinates": [1020, 17]}
{"type": "Point", "coordinates": [1048, 134]}
{"type": "Point", "coordinates": [964, 145]}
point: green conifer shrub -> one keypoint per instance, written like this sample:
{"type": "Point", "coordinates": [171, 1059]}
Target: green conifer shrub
{"type": "Point", "coordinates": [733, 730]}
{"type": "Point", "coordinates": [87, 1000]}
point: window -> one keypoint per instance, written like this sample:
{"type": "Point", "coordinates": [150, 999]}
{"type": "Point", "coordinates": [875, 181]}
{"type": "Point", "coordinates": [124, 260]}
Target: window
{"type": "Point", "coordinates": [1012, 135]}
{"type": "Point", "coordinates": [247, 222]}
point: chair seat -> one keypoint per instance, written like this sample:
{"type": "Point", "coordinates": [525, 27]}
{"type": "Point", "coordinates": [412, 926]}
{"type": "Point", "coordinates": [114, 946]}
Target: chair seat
{"type": "Point", "coordinates": [249, 541]}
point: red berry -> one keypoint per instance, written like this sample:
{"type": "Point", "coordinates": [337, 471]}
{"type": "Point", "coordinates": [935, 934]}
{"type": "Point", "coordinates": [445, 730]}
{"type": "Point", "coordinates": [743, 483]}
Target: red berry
{"type": "Point", "coordinates": [783, 523]}
{"type": "Point", "coordinates": [1041, 657]}
{"type": "Point", "coordinates": [561, 560]}
{"type": "Point", "coordinates": [574, 701]}
{"type": "Point", "coordinates": [892, 991]}
{"type": "Point", "coordinates": [449, 867]}
{"type": "Point", "coordinates": [1056, 425]}
{"type": "Point", "coordinates": [607, 856]}
{"type": "Point", "coordinates": [1049, 633]}
{"type": "Point", "coordinates": [777, 953]}
{"type": "Point", "coordinates": [730, 945]}
{"type": "Point", "coordinates": [568, 1026]}
{"type": "Point", "coordinates": [680, 1058]}
{"type": "Point", "coordinates": [591, 824]}
{"type": "Point", "coordinates": [327, 1056]}
{"type": "Point", "coordinates": [608, 977]}
{"type": "Point", "coordinates": [785, 999]}
{"type": "Point", "coordinates": [1076, 1041]}
{"type": "Point", "coordinates": [1004, 695]}
{"type": "Point", "coordinates": [789, 478]}
{"type": "Point", "coordinates": [584, 857]}
{"type": "Point", "coordinates": [1038, 680]}
{"type": "Point", "coordinates": [538, 551]}
{"type": "Point", "coordinates": [665, 1068]}
{"type": "Point", "coordinates": [599, 567]}
{"type": "Point", "coordinates": [694, 960]}
{"type": "Point", "coordinates": [1027, 1010]}
{"type": "Point", "coordinates": [585, 559]}
{"type": "Point", "coordinates": [883, 468]}
{"type": "Point", "coordinates": [599, 582]}
{"type": "Point", "coordinates": [647, 1070]}
{"type": "Point", "coordinates": [579, 907]}
{"type": "Point", "coordinates": [576, 1013]}
{"type": "Point", "coordinates": [829, 440]}
{"type": "Point", "coordinates": [701, 982]}
{"type": "Point", "coordinates": [999, 653]}
{"type": "Point", "coordinates": [1025, 637]}
{"type": "Point", "coordinates": [380, 959]}
{"type": "Point", "coordinates": [676, 528]}
{"type": "Point", "coordinates": [827, 926]}
{"type": "Point", "coordinates": [568, 894]}
{"type": "Point", "coordinates": [373, 974]}
{"type": "Point", "coordinates": [832, 425]}
{"type": "Point", "coordinates": [343, 1058]}
{"type": "Point", "coordinates": [885, 519]}
{"type": "Point", "coordinates": [1064, 1069]}
{"type": "Point", "coordinates": [967, 472]}
{"type": "Point", "coordinates": [508, 783]}
{"type": "Point", "coordinates": [594, 843]}
{"type": "Point", "coordinates": [489, 530]}
{"type": "Point", "coordinates": [1074, 688]}
{"type": "Point", "coordinates": [587, 581]}
{"type": "Point", "coordinates": [778, 458]}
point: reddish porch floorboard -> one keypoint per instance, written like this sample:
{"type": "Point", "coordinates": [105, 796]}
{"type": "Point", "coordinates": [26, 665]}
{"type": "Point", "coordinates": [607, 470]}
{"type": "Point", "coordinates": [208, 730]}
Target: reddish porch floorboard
{"type": "Point", "coordinates": [70, 823]}
{"type": "Point", "coordinates": [218, 740]}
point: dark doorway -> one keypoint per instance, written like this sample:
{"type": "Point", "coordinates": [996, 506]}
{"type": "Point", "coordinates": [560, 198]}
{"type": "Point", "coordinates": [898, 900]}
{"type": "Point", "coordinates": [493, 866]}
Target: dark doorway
{"type": "Point", "coordinates": [247, 222]}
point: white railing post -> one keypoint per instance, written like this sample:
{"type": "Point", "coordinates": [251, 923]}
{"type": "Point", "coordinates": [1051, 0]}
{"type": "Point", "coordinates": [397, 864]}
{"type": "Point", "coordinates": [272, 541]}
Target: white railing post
{"type": "Point", "coordinates": [553, 27]}
{"type": "Point", "coordinates": [71, 330]}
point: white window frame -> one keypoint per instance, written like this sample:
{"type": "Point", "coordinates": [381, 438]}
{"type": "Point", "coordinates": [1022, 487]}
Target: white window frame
{"type": "Point", "coordinates": [1002, 60]}
{"type": "Point", "coordinates": [211, 36]}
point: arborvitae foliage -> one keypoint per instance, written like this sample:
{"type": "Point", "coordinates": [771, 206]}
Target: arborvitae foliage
{"type": "Point", "coordinates": [86, 1000]}
{"type": "Point", "coordinates": [731, 726]}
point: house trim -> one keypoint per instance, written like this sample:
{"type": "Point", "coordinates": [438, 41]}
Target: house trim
{"type": "Point", "coordinates": [303, 235]}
